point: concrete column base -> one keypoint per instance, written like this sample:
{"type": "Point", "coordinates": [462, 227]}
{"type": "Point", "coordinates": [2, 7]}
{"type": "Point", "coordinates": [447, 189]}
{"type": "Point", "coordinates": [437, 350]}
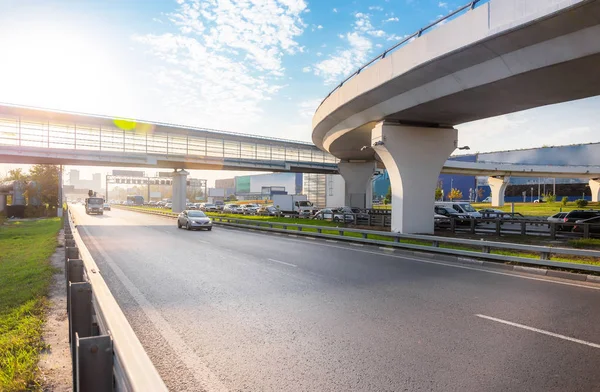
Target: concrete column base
{"type": "Point", "coordinates": [2, 202]}
{"type": "Point", "coordinates": [358, 177]}
{"type": "Point", "coordinates": [595, 188]}
{"type": "Point", "coordinates": [498, 187]}
{"type": "Point", "coordinates": [413, 157]}
{"type": "Point", "coordinates": [179, 190]}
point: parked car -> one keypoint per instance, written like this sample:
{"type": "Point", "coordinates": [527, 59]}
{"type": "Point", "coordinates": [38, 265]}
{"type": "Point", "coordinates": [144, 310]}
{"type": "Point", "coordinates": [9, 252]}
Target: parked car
{"type": "Point", "coordinates": [462, 207]}
{"type": "Point", "coordinates": [192, 220]}
{"type": "Point", "coordinates": [557, 218]}
{"type": "Point", "coordinates": [267, 211]}
{"type": "Point", "coordinates": [168, 206]}
{"type": "Point", "coordinates": [249, 209]}
{"type": "Point", "coordinates": [493, 213]}
{"type": "Point", "coordinates": [208, 207]}
{"type": "Point", "coordinates": [487, 200]}
{"type": "Point", "coordinates": [593, 222]}
{"type": "Point", "coordinates": [106, 207]}
{"type": "Point", "coordinates": [333, 214]}
{"type": "Point", "coordinates": [360, 214]}
{"type": "Point", "coordinates": [576, 215]}
{"type": "Point", "coordinates": [449, 213]}
{"type": "Point", "coordinates": [231, 209]}
{"type": "Point", "coordinates": [219, 204]}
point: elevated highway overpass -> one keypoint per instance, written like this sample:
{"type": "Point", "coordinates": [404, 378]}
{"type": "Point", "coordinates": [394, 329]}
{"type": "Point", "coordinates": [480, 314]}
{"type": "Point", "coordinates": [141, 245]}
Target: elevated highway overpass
{"type": "Point", "coordinates": [498, 57]}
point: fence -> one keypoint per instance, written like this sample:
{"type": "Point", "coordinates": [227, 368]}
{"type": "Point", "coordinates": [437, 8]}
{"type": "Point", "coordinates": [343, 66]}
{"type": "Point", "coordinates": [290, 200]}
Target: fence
{"type": "Point", "coordinates": [106, 353]}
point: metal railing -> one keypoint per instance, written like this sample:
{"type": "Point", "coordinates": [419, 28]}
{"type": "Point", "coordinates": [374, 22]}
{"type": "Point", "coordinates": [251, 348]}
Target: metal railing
{"type": "Point", "coordinates": [471, 5]}
{"type": "Point", "coordinates": [429, 243]}
{"type": "Point", "coordinates": [20, 132]}
{"type": "Point", "coordinates": [106, 353]}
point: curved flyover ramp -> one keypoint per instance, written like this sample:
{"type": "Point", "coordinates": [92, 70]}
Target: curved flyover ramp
{"type": "Point", "coordinates": [499, 57]}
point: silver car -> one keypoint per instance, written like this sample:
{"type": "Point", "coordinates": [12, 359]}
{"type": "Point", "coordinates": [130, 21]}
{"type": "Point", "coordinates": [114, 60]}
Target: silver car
{"type": "Point", "coordinates": [192, 219]}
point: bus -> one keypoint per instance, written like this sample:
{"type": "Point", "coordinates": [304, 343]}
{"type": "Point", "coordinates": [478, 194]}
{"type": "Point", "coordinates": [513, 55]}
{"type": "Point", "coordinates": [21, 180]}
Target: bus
{"type": "Point", "coordinates": [135, 200]}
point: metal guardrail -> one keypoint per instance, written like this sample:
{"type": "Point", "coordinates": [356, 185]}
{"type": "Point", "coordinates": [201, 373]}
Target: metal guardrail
{"type": "Point", "coordinates": [394, 240]}
{"type": "Point", "coordinates": [106, 353]}
{"type": "Point", "coordinates": [471, 5]}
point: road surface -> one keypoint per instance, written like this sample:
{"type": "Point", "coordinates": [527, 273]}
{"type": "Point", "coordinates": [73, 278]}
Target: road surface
{"type": "Point", "coordinates": [234, 310]}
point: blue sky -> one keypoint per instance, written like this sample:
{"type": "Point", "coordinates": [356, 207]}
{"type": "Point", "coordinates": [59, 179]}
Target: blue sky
{"type": "Point", "coordinates": [252, 66]}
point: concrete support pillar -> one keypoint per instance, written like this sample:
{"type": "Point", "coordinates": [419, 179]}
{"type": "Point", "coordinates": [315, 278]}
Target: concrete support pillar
{"type": "Point", "coordinates": [595, 188]}
{"type": "Point", "coordinates": [59, 207]}
{"type": "Point", "coordinates": [498, 186]}
{"type": "Point", "coordinates": [358, 177]}
{"type": "Point", "coordinates": [179, 190]}
{"type": "Point", "coordinates": [2, 202]}
{"type": "Point", "coordinates": [413, 157]}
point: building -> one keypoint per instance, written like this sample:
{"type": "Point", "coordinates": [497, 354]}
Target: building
{"type": "Point", "coordinates": [94, 184]}
{"type": "Point", "coordinates": [476, 188]}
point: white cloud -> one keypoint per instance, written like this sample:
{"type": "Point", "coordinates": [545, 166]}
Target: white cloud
{"type": "Point", "coordinates": [319, 27]}
{"type": "Point", "coordinates": [393, 19]}
{"type": "Point", "coordinates": [307, 108]}
{"type": "Point", "coordinates": [306, 69]}
{"type": "Point", "coordinates": [225, 57]}
{"type": "Point", "coordinates": [375, 8]}
{"type": "Point", "coordinates": [443, 4]}
{"type": "Point", "coordinates": [335, 10]}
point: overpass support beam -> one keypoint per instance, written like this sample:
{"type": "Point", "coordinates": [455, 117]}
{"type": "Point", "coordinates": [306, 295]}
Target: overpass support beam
{"type": "Point", "coordinates": [358, 177]}
{"type": "Point", "coordinates": [2, 202]}
{"type": "Point", "coordinates": [595, 188]}
{"type": "Point", "coordinates": [498, 186]}
{"type": "Point", "coordinates": [179, 190]}
{"type": "Point", "coordinates": [413, 157]}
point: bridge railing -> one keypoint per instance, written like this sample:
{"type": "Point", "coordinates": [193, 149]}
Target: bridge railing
{"type": "Point", "coordinates": [29, 133]}
{"type": "Point", "coordinates": [106, 353]}
{"type": "Point", "coordinates": [471, 5]}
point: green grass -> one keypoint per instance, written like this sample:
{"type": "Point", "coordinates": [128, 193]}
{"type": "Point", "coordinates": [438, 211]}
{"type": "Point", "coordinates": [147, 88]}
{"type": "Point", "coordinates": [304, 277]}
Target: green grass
{"type": "Point", "coordinates": [526, 209]}
{"type": "Point", "coordinates": [25, 275]}
{"type": "Point", "coordinates": [583, 243]}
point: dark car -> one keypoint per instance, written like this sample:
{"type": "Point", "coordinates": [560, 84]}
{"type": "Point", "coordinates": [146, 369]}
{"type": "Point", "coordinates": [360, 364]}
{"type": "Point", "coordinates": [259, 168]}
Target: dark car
{"type": "Point", "coordinates": [576, 215]}
{"type": "Point", "coordinates": [334, 215]}
{"type": "Point", "coordinates": [593, 222]}
{"type": "Point", "coordinates": [267, 211]}
{"type": "Point", "coordinates": [194, 220]}
{"type": "Point", "coordinates": [449, 213]}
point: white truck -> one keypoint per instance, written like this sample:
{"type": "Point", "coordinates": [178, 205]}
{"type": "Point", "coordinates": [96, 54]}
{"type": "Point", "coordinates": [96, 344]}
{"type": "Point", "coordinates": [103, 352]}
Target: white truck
{"type": "Point", "coordinates": [294, 205]}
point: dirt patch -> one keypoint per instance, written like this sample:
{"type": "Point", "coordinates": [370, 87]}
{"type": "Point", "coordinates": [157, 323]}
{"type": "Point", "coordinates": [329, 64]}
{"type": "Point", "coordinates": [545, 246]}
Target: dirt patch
{"type": "Point", "coordinates": [55, 361]}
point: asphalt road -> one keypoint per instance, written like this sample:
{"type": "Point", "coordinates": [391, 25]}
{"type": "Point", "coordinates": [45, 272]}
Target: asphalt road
{"type": "Point", "coordinates": [233, 310]}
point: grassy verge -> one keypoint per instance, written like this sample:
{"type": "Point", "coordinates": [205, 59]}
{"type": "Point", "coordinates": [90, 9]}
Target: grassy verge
{"type": "Point", "coordinates": [528, 209]}
{"type": "Point", "coordinates": [25, 275]}
{"type": "Point", "coordinates": [278, 223]}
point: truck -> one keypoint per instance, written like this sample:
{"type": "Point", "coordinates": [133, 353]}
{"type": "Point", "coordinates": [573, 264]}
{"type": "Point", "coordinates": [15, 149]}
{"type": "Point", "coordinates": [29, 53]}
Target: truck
{"type": "Point", "coordinates": [135, 200]}
{"type": "Point", "coordinates": [294, 205]}
{"type": "Point", "coordinates": [94, 205]}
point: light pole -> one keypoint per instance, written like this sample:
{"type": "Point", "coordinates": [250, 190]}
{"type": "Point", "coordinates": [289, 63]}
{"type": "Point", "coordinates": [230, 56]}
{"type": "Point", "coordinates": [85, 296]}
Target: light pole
{"type": "Point", "coordinates": [532, 194]}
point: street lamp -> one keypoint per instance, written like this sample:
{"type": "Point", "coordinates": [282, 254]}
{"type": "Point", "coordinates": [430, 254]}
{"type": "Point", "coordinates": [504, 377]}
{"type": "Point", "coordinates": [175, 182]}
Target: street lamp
{"type": "Point", "coordinates": [532, 194]}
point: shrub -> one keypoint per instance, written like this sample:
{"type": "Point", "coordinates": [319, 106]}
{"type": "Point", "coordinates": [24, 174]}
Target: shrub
{"type": "Point", "coordinates": [455, 194]}
{"type": "Point", "coordinates": [564, 200]}
{"type": "Point", "coordinates": [550, 198]}
{"type": "Point", "coordinates": [581, 203]}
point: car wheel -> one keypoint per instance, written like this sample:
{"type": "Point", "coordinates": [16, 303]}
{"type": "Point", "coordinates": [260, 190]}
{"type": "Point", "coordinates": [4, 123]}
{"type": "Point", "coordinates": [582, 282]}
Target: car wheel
{"type": "Point", "coordinates": [209, 229]}
{"type": "Point", "coordinates": [178, 224]}
{"type": "Point", "coordinates": [188, 226]}
{"type": "Point", "coordinates": [335, 219]}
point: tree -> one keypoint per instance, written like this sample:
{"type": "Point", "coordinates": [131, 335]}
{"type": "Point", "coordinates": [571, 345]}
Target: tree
{"type": "Point", "coordinates": [16, 174]}
{"type": "Point", "coordinates": [46, 176]}
{"type": "Point", "coordinates": [564, 200]}
{"type": "Point", "coordinates": [455, 194]}
{"type": "Point", "coordinates": [388, 196]}
{"type": "Point", "coordinates": [439, 193]}
{"type": "Point", "coordinates": [550, 198]}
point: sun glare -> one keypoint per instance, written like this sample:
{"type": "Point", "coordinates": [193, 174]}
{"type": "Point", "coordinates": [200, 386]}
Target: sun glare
{"type": "Point", "coordinates": [52, 67]}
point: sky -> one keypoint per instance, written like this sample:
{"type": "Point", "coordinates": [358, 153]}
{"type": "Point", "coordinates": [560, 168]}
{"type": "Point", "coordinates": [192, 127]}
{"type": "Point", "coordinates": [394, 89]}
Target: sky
{"type": "Point", "coordinates": [252, 66]}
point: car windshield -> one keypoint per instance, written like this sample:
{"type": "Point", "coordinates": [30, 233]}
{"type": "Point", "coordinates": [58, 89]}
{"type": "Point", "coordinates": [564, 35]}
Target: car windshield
{"type": "Point", "coordinates": [467, 207]}
{"type": "Point", "coordinates": [209, 205]}
{"type": "Point", "coordinates": [305, 204]}
{"type": "Point", "coordinates": [196, 214]}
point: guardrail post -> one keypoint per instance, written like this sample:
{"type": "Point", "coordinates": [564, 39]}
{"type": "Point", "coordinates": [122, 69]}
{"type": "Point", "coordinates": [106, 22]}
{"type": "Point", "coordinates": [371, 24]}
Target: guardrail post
{"type": "Point", "coordinates": [369, 220]}
{"type": "Point", "coordinates": [299, 228]}
{"type": "Point", "coordinates": [284, 227]}
{"type": "Point", "coordinates": [486, 249]}
{"type": "Point", "coordinates": [498, 227]}
{"type": "Point", "coordinates": [80, 318]}
{"type": "Point", "coordinates": [586, 230]}
{"type": "Point", "coordinates": [472, 223]}
{"type": "Point", "coordinates": [94, 364]}
{"type": "Point", "coordinates": [545, 256]}
{"type": "Point", "coordinates": [364, 235]}
{"type": "Point", "coordinates": [341, 233]}
{"type": "Point", "coordinates": [523, 228]}
{"type": "Point", "coordinates": [355, 219]}
{"type": "Point", "coordinates": [436, 244]}
{"type": "Point", "coordinates": [452, 224]}
{"type": "Point", "coordinates": [270, 225]}
{"type": "Point", "coordinates": [319, 230]}
{"type": "Point", "coordinates": [552, 231]}
{"type": "Point", "coordinates": [70, 242]}
{"type": "Point", "coordinates": [70, 253]}
{"type": "Point", "coordinates": [74, 274]}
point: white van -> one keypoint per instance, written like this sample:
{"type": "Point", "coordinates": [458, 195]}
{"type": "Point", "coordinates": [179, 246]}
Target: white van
{"type": "Point", "coordinates": [463, 207]}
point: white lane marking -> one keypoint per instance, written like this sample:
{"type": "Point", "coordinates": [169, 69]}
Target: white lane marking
{"type": "Point", "coordinates": [386, 248]}
{"type": "Point", "coordinates": [203, 375]}
{"type": "Point", "coordinates": [355, 244]}
{"type": "Point", "coordinates": [283, 262]}
{"type": "Point", "coordinates": [556, 335]}
{"type": "Point", "coordinates": [309, 238]}
{"type": "Point", "coordinates": [487, 271]}
{"type": "Point", "coordinates": [330, 241]}
{"type": "Point", "coordinates": [292, 235]}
